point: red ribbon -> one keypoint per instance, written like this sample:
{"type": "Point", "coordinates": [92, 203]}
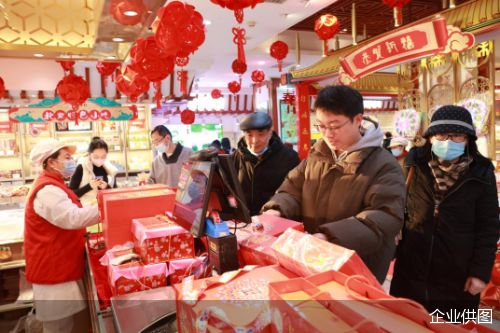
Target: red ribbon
{"type": "Point", "coordinates": [240, 40]}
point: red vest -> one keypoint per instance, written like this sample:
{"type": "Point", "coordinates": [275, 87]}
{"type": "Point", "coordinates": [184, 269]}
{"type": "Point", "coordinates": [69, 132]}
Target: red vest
{"type": "Point", "coordinates": [53, 255]}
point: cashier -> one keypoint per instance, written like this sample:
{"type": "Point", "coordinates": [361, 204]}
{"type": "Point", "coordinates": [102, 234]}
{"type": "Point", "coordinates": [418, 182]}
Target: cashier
{"type": "Point", "coordinates": [54, 240]}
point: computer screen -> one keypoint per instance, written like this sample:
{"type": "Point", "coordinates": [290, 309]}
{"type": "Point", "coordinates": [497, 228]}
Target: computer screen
{"type": "Point", "coordinates": [193, 193]}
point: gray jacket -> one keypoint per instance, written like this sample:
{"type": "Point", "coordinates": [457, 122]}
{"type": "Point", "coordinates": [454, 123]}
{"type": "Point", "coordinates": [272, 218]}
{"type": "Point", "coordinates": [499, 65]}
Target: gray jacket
{"type": "Point", "coordinates": [167, 169]}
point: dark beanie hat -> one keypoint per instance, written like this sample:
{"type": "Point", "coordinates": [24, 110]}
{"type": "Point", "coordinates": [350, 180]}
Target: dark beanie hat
{"type": "Point", "coordinates": [451, 119]}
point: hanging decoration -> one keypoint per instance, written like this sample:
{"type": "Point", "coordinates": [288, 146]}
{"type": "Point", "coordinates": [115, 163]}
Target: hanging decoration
{"type": "Point", "coordinates": [289, 100]}
{"type": "Point", "coordinates": [397, 6]}
{"type": "Point", "coordinates": [106, 68]}
{"type": "Point", "coordinates": [239, 67]}
{"type": "Point", "coordinates": [180, 30]}
{"type": "Point", "coordinates": [240, 40]}
{"type": "Point", "coordinates": [187, 117]}
{"type": "Point", "coordinates": [216, 93]}
{"type": "Point", "coordinates": [182, 77]}
{"type": "Point", "coordinates": [279, 51]}
{"type": "Point", "coordinates": [234, 87]}
{"type": "Point", "coordinates": [326, 27]}
{"type": "Point", "coordinates": [123, 11]}
{"type": "Point", "coordinates": [131, 83]}
{"type": "Point", "coordinates": [66, 65]}
{"type": "Point", "coordinates": [407, 123]}
{"type": "Point", "coordinates": [237, 6]}
{"type": "Point", "coordinates": [258, 77]}
{"type": "Point", "coordinates": [74, 90]}
{"type": "Point", "coordinates": [2, 88]}
{"type": "Point", "coordinates": [152, 62]}
{"type": "Point", "coordinates": [181, 59]}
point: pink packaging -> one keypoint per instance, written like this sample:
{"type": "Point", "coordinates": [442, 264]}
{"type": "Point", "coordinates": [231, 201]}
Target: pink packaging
{"type": "Point", "coordinates": [132, 277]}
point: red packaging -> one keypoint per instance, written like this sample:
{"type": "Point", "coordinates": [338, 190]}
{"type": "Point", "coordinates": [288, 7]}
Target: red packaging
{"type": "Point", "coordinates": [305, 255]}
{"type": "Point", "coordinates": [159, 241]}
{"type": "Point", "coordinates": [180, 269]}
{"type": "Point", "coordinates": [269, 225]}
{"type": "Point", "coordinates": [132, 277]}
{"type": "Point", "coordinates": [257, 250]}
{"type": "Point", "coordinates": [237, 301]}
{"type": "Point", "coordinates": [120, 208]}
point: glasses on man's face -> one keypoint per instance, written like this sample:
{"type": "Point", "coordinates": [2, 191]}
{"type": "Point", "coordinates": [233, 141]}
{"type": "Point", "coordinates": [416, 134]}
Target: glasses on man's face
{"type": "Point", "coordinates": [157, 142]}
{"type": "Point", "coordinates": [455, 137]}
{"type": "Point", "coordinates": [323, 128]}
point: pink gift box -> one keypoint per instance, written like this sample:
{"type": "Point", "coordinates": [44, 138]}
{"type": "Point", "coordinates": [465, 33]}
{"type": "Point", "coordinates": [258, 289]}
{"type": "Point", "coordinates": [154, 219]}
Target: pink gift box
{"type": "Point", "coordinates": [157, 240]}
{"type": "Point", "coordinates": [257, 250]}
{"type": "Point", "coordinates": [132, 277]}
{"type": "Point", "coordinates": [179, 269]}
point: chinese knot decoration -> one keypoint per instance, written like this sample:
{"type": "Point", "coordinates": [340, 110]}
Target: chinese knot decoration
{"type": "Point", "coordinates": [187, 117]}
{"type": "Point", "coordinates": [131, 83]}
{"type": "Point", "coordinates": [237, 6]}
{"type": "Point", "coordinates": [397, 6]}
{"type": "Point", "coordinates": [182, 77]}
{"type": "Point", "coordinates": [2, 88]}
{"type": "Point", "coordinates": [216, 93]}
{"type": "Point", "coordinates": [326, 27]}
{"type": "Point", "coordinates": [234, 87]}
{"type": "Point", "coordinates": [180, 30]}
{"type": "Point", "coordinates": [123, 10]}
{"type": "Point", "coordinates": [289, 100]}
{"type": "Point", "coordinates": [258, 77]}
{"type": "Point", "coordinates": [66, 65]}
{"type": "Point", "coordinates": [107, 68]}
{"type": "Point", "coordinates": [74, 90]}
{"type": "Point", "coordinates": [240, 40]}
{"type": "Point", "coordinates": [279, 51]}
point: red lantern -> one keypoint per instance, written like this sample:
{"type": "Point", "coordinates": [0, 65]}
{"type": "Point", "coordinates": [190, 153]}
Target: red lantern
{"type": "Point", "coordinates": [67, 65]}
{"type": "Point", "coordinates": [216, 93]}
{"type": "Point", "coordinates": [131, 83]}
{"type": "Point", "coordinates": [239, 67]}
{"type": "Point", "coordinates": [180, 30]}
{"type": "Point", "coordinates": [187, 117]}
{"type": "Point", "coordinates": [397, 6]}
{"type": "Point", "coordinates": [258, 76]}
{"type": "Point", "coordinates": [2, 88]}
{"type": "Point", "coordinates": [123, 10]}
{"type": "Point", "coordinates": [237, 6]}
{"type": "Point", "coordinates": [326, 27]}
{"type": "Point", "coordinates": [234, 87]}
{"type": "Point", "coordinates": [74, 90]}
{"type": "Point", "coordinates": [106, 68]}
{"type": "Point", "coordinates": [279, 51]}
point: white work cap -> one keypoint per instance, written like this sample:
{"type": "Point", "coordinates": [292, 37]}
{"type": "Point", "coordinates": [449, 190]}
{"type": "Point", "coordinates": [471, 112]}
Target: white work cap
{"type": "Point", "coordinates": [46, 148]}
{"type": "Point", "coordinates": [398, 142]}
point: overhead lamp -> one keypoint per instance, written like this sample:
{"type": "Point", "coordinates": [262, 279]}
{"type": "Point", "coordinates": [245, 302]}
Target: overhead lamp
{"type": "Point", "coordinates": [118, 39]}
{"type": "Point", "coordinates": [130, 13]}
{"type": "Point", "coordinates": [207, 22]}
{"type": "Point", "coordinates": [110, 57]}
{"type": "Point", "coordinates": [261, 62]}
{"type": "Point", "coordinates": [38, 55]}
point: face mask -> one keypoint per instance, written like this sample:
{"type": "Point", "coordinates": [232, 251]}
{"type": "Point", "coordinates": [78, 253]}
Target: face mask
{"type": "Point", "coordinates": [161, 148]}
{"type": "Point", "coordinates": [448, 150]}
{"type": "Point", "coordinates": [68, 169]}
{"type": "Point", "coordinates": [98, 162]}
{"type": "Point", "coordinates": [194, 191]}
{"type": "Point", "coordinates": [396, 152]}
{"type": "Point", "coordinates": [257, 154]}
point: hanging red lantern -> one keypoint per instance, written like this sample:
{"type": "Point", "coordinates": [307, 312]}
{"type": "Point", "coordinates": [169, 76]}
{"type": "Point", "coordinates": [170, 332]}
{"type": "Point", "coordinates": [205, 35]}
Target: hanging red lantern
{"type": "Point", "coordinates": [67, 65]}
{"type": "Point", "coordinates": [74, 90]}
{"type": "Point", "coordinates": [2, 88]}
{"type": "Point", "coordinates": [187, 117]}
{"type": "Point", "coordinates": [237, 6]}
{"type": "Point", "coordinates": [234, 87]}
{"type": "Point", "coordinates": [326, 27]}
{"type": "Point", "coordinates": [258, 76]}
{"type": "Point", "coordinates": [106, 68]}
{"type": "Point", "coordinates": [397, 6]}
{"type": "Point", "coordinates": [216, 93]}
{"type": "Point", "coordinates": [180, 30]}
{"type": "Point", "coordinates": [131, 83]}
{"type": "Point", "coordinates": [279, 51]}
{"type": "Point", "coordinates": [239, 67]}
{"type": "Point", "coordinates": [127, 12]}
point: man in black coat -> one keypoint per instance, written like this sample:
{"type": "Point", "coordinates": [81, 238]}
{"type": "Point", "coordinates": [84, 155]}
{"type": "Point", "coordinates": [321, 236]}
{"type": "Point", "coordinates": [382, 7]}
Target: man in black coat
{"type": "Point", "coordinates": [261, 160]}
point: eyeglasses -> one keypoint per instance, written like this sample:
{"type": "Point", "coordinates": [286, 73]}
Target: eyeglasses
{"type": "Point", "coordinates": [323, 128]}
{"type": "Point", "coordinates": [453, 137]}
{"type": "Point", "coordinates": [157, 142]}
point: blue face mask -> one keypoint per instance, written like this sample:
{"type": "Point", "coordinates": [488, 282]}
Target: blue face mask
{"type": "Point", "coordinates": [396, 152]}
{"type": "Point", "coordinates": [68, 169]}
{"type": "Point", "coordinates": [448, 150]}
{"type": "Point", "coordinates": [194, 191]}
{"type": "Point", "coordinates": [259, 153]}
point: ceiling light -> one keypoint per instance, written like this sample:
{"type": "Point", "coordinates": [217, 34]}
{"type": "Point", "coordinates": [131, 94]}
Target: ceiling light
{"type": "Point", "coordinates": [38, 55]}
{"type": "Point", "coordinates": [130, 13]}
{"type": "Point", "coordinates": [118, 39]}
{"type": "Point", "coordinates": [110, 57]}
{"type": "Point", "coordinates": [207, 22]}
{"type": "Point", "coordinates": [261, 62]}
{"type": "Point", "coordinates": [344, 30]}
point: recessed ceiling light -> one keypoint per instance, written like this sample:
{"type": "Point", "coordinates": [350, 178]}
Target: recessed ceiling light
{"type": "Point", "coordinates": [110, 57]}
{"type": "Point", "coordinates": [38, 55]}
{"type": "Point", "coordinates": [207, 22]}
{"type": "Point", "coordinates": [130, 13]}
{"type": "Point", "coordinates": [344, 30]}
{"type": "Point", "coordinates": [118, 39]}
{"type": "Point", "coordinates": [261, 62]}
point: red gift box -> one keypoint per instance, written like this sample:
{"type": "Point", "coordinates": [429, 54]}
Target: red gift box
{"type": "Point", "coordinates": [159, 241]}
{"type": "Point", "coordinates": [235, 301]}
{"type": "Point", "coordinates": [120, 208]}
{"type": "Point", "coordinates": [269, 225]}
{"type": "Point", "coordinates": [305, 255]}
{"type": "Point", "coordinates": [180, 269]}
{"type": "Point", "coordinates": [132, 277]}
{"type": "Point", "coordinates": [257, 250]}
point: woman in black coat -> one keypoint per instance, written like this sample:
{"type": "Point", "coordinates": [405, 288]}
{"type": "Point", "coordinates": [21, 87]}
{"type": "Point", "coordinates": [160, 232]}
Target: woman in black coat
{"type": "Point", "coordinates": [451, 225]}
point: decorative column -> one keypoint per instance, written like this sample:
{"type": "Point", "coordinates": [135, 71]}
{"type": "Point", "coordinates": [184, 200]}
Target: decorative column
{"type": "Point", "coordinates": [303, 122]}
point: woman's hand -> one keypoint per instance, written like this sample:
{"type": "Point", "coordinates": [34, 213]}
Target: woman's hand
{"type": "Point", "coordinates": [474, 285]}
{"type": "Point", "coordinates": [103, 185]}
{"type": "Point", "coordinates": [94, 183]}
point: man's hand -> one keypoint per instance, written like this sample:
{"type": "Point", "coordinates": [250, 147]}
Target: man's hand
{"type": "Point", "coordinates": [273, 212]}
{"type": "Point", "coordinates": [320, 236]}
{"type": "Point", "coordinates": [474, 285]}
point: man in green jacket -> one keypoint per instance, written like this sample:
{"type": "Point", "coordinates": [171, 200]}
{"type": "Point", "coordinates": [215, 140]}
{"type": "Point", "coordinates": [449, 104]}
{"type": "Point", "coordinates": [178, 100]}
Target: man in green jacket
{"type": "Point", "coordinates": [349, 190]}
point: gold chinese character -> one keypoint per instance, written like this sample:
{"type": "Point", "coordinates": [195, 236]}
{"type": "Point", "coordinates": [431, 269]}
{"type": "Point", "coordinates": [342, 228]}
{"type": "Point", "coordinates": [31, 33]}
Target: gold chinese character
{"type": "Point", "coordinates": [305, 131]}
{"type": "Point", "coordinates": [407, 43]}
{"type": "Point", "coordinates": [366, 58]}
{"type": "Point", "coordinates": [304, 115]}
{"type": "Point", "coordinates": [391, 46]}
{"type": "Point", "coordinates": [377, 52]}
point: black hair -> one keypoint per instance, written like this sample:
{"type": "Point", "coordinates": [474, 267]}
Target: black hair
{"type": "Point", "coordinates": [97, 143]}
{"type": "Point", "coordinates": [162, 131]}
{"type": "Point", "coordinates": [388, 134]}
{"type": "Point", "coordinates": [341, 100]}
{"type": "Point", "coordinates": [226, 144]}
{"type": "Point", "coordinates": [54, 156]}
{"type": "Point", "coordinates": [216, 144]}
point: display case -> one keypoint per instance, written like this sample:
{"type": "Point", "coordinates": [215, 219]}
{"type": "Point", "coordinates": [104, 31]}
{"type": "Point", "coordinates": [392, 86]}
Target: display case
{"type": "Point", "coordinates": [138, 153]}
{"type": "Point", "coordinates": [10, 151]}
{"type": "Point", "coordinates": [112, 132]}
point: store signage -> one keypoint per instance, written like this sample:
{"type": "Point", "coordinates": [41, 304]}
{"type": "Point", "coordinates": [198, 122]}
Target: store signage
{"type": "Point", "coordinates": [56, 110]}
{"type": "Point", "coordinates": [402, 45]}
{"type": "Point", "coordinates": [303, 121]}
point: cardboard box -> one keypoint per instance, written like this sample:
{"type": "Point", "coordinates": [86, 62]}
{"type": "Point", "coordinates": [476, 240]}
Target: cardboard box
{"type": "Point", "coordinates": [159, 241]}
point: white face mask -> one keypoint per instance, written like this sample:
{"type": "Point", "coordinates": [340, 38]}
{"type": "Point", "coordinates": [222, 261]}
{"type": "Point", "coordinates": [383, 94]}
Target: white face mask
{"type": "Point", "coordinates": [98, 162]}
{"type": "Point", "coordinates": [259, 153]}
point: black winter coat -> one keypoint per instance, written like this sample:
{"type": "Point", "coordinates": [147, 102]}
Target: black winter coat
{"type": "Point", "coordinates": [439, 251]}
{"type": "Point", "coordinates": [260, 178]}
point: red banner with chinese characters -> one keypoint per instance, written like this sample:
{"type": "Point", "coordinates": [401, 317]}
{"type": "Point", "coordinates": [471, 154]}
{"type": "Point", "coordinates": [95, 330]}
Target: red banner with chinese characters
{"type": "Point", "coordinates": [414, 42]}
{"type": "Point", "coordinates": [303, 123]}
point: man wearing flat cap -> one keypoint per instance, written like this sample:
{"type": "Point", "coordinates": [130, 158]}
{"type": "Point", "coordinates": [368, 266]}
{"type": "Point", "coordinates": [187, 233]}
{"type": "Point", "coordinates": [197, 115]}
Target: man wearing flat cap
{"type": "Point", "coordinates": [54, 240]}
{"type": "Point", "coordinates": [262, 161]}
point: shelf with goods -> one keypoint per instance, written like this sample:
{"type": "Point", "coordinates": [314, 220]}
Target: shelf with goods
{"type": "Point", "coordinates": [138, 142]}
{"type": "Point", "coordinates": [10, 149]}
{"type": "Point", "coordinates": [112, 132]}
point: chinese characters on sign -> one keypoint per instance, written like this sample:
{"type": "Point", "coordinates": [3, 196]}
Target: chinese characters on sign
{"type": "Point", "coordinates": [477, 316]}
